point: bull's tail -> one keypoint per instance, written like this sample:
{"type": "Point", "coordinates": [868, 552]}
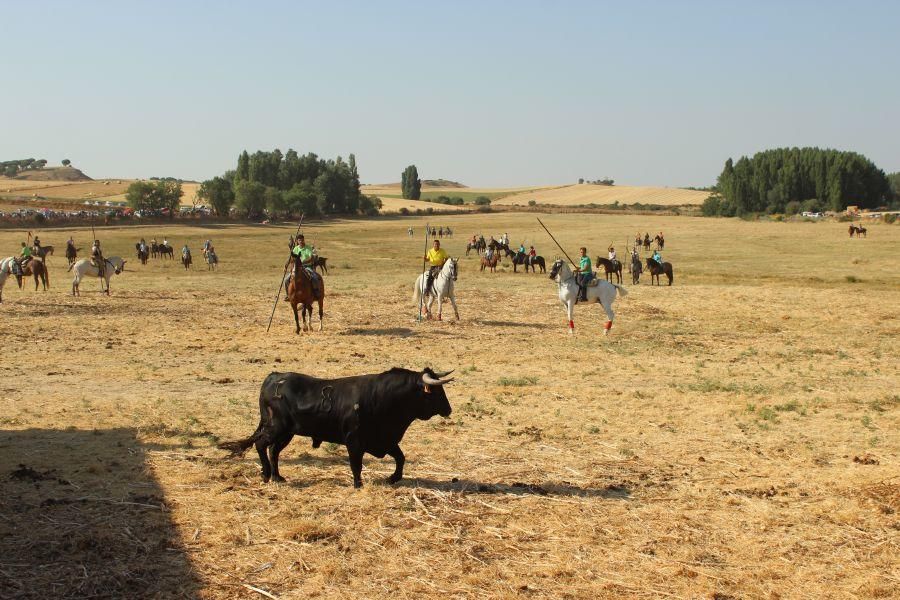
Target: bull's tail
{"type": "Point", "coordinates": [238, 447]}
{"type": "Point", "coordinates": [622, 291]}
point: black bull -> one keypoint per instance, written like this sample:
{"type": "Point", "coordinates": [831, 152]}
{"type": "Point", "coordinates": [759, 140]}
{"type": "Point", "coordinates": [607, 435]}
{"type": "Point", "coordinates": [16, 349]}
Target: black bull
{"type": "Point", "coordinates": [366, 413]}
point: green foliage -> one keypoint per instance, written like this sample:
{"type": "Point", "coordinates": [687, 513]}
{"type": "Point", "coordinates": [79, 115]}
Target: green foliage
{"type": "Point", "coordinates": [532, 203]}
{"type": "Point", "coordinates": [250, 198]}
{"type": "Point", "coordinates": [218, 193]}
{"type": "Point", "coordinates": [369, 205]}
{"type": "Point", "coordinates": [455, 201]}
{"type": "Point", "coordinates": [154, 195]}
{"type": "Point", "coordinates": [410, 183]}
{"type": "Point", "coordinates": [66, 162]}
{"type": "Point", "coordinates": [482, 201]}
{"type": "Point", "coordinates": [295, 184]}
{"type": "Point", "coordinates": [10, 170]}
{"type": "Point", "coordinates": [769, 180]}
{"type": "Point", "coordinates": [792, 207]}
{"type": "Point", "coordinates": [890, 218]}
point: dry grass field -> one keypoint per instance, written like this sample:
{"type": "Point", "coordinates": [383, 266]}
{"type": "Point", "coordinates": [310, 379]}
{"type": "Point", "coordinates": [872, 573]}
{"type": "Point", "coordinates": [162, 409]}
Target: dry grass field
{"type": "Point", "coordinates": [736, 436]}
{"type": "Point", "coordinates": [79, 191]}
{"type": "Point", "coordinates": [584, 194]}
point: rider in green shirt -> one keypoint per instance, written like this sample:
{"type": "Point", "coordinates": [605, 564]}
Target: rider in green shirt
{"type": "Point", "coordinates": [583, 273]}
{"type": "Point", "coordinates": [303, 258]}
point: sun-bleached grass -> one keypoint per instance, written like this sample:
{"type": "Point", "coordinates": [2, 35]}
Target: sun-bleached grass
{"type": "Point", "coordinates": [734, 436]}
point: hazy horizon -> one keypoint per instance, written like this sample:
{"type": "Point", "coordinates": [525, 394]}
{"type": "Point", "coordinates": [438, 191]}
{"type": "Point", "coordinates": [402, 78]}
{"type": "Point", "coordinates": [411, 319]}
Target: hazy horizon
{"type": "Point", "coordinates": [483, 93]}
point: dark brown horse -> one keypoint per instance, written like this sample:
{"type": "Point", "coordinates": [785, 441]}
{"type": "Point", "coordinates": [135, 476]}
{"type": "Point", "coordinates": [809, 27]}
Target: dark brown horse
{"type": "Point", "coordinates": [37, 268]}
{"type": "Point", "coordinates": [611, 269]}
{"type": "Point", "coordinates": [71, 253]}
{"type": "Point", "coordinates": [45, 251]}
{"type": "Point", "coordinates": [656, 268]}
{"type": "Point", "coordinates": [861, 231]}
{"type": "Point", "coordinates": [186, 260]}
{"type": "Point", "coordinates": [300, 292]}
{"type": "Point", "coordinates": [853, 230]}
{"type": "Point", "coordinates": [142, 256]}
{"type": "Point", "coordinates": [490, 263]}
{"type": "Point", "coordinates": [529, 261]}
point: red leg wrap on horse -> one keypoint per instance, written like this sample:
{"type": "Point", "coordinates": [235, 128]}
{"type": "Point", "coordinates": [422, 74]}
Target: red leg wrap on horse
{"type": "Point", "coordinates": [609, 325]}
{"type": "Point", "coordinates": [571, 324]}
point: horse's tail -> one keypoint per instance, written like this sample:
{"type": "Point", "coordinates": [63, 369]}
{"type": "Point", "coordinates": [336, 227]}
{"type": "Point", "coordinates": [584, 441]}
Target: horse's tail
{"type": "Point", "coordinates": [622, 291]}
{"type": "Point", "coordinates": [670, 273]}
{"type": "Point", "coordinates": [416, 291]}
{"type": "Point", "coordinates": [238, 447]}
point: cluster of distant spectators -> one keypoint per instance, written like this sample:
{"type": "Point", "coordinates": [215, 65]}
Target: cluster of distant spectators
{"type": "Point", "coordinates": [43, 215]}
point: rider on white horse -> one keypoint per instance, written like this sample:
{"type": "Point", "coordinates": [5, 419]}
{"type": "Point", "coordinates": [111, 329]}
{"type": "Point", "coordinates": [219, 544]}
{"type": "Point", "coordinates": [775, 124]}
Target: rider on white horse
{"type": "Point", "coordinates": [97, 259]}
{"type": "Point", "coordinates": [604, 292]}
{"type": "Point", "coordinates": [583, 273]}
{"type": "Point", "coordinates": [443, 287]}
{"type": "Point", "coordinates": [436, 258]}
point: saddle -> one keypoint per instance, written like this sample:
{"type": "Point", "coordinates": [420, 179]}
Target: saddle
{"type": "Point", "coordinates": [594, 282]}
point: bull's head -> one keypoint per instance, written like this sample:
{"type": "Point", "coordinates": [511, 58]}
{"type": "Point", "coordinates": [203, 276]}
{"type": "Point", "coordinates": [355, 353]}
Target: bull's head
{"type": "Point", "coordinates": [434, 399]}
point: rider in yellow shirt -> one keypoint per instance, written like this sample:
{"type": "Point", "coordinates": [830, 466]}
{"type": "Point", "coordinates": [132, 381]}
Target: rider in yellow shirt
{"type": "Point", "coordinates": [436, 258]}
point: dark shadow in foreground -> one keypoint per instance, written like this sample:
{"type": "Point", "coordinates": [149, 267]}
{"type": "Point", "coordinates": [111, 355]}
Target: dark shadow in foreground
{"type": "Point", "coordinates": [82, 517]}
{"type": "Point", "coordinates": [610, 492]}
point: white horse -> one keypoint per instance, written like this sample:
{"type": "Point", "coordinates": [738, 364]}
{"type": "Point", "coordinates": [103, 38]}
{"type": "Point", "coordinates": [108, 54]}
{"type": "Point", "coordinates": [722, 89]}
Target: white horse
{"type": "Point", "coordinates": [84, 268]}
{"type": "Point", "coordinates": [6, 265]}
{"type": "Point", "coordinates": [442, 288]}
{"type": "Point", "coordinates": [604, 293]}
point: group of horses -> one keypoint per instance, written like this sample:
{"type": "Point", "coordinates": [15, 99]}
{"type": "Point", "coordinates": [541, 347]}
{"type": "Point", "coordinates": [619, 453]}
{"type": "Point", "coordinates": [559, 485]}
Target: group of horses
{"type": "Point", "coordinates": [857, 231]}
{"type": "Point", "coordinates": [499, 251]}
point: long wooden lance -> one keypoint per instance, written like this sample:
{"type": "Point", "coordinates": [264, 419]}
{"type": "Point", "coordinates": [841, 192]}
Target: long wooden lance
{"type": "Point", "coordinates": [281, 281]}
{"type": "Point", "coordinates": [555, 242]}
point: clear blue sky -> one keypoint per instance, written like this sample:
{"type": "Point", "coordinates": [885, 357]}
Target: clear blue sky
{"type": "Point", "coordinates": [488, 93]}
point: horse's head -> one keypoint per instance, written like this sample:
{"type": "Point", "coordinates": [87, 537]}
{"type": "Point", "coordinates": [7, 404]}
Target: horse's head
{"type": "Point", "coordinates": [556, 268]}
{"type": "Point", "coordinates": [452, 268]}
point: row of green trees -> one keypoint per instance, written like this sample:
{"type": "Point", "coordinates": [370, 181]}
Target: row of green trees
{"type": "Point", "coordinates": [11, 168]}
{"type": "Point", "coordinates": [155, 195]}
{"type": "Point", "coordinates": [288, 184]}
{"type": "Point", "coordinates": [776, 180]}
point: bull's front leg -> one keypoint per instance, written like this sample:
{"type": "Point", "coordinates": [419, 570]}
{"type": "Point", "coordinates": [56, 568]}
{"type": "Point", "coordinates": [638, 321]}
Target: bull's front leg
{"type": "Point", "coordinates": [355, 451]}
{"type": "Point", "coordinates": [399, 459]}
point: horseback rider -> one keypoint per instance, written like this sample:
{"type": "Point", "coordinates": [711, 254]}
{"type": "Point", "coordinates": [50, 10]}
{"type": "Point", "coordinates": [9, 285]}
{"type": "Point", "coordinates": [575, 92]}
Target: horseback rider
{"type": "Point", "coordinates": [24, 256]}
{"type": "Point", "coordinates": [532, 254]}
{"type": "Point", "coordinates": [657, 256]}
{"type": "Point", "coordinates": [436, 258]}
{"type": "Point", "coordinates": [489, 252]}
{"type": "Point", "coordinates": [521, 249]}
{"type": "Point", "coordinates": [185, 251]}
{"type": "Point", "coordinates": [37, 245]}
{"type": "Point", "coordinates": [97, 258]}
{"type": "Point", "coordinates": [303, 258]}
{"type": "Point", "coordinates": [70, 246]}
{"type": "Point", "coordinates": [583, 273]}
{"type": "Point", "coordinates": [646, 239]}
{"type": "Point", "coordinates": [612, 257]}
{"type": "Point", "coordinates": [206, 246]}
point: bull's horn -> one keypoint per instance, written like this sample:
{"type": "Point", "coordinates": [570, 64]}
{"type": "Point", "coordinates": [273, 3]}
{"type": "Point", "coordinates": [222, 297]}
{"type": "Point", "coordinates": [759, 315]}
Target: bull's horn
{"type": "Point", "coordinates": [429, 380]}
{"type": "Point", "coordinates": [440, 375]}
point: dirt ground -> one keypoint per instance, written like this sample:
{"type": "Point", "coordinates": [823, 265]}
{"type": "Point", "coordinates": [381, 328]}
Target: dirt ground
{"type": "Point", "coordinates": [734, 437]}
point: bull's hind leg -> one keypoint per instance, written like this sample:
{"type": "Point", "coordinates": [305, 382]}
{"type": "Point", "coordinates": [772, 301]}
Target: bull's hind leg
{"type": "Point", "coordinates": [399, 459]}
{"type": "Point", "coordinates": [275, 449]}
{"type": "Point", "coordinates": [321, 312]}
{"type": "Point", "coordinates": [261, 445]}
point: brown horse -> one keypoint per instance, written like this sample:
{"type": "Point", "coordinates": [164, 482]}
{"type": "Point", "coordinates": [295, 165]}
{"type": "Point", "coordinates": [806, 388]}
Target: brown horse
{"type": "Point", "coordinates": [72, 253]}
{"type": "Point", "coordinates": [861, 231]}
{"type": "Point", "coordinates": [492, 263]}
{"type": "Point", "coordinates": [186, 260]}
{"type": "Point", "coordinates": [657, 268]}
{"type": "Point", "coordinates": [611, 269]}
{"type": "Point", "coordinates": [853, 230]}
{"type": "Point", "coordinates": [45, 251]}
{"type": "Point", "coordinates": [37, 268]}
{"type": "Point", "coordinates": [300, 291]}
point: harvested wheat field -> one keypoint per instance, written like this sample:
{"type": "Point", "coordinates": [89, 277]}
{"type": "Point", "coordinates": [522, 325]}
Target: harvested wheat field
{"type": "Point", "coordinates": [734, 437]}
{"type": "Point", "coordinates": [584, 194]}
{"type": "Point", "coordinates": [78, 191]}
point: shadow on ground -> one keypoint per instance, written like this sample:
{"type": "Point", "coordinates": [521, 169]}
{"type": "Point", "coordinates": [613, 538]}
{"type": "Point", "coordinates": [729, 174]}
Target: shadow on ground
{"type": "Point", "coordinates": [612, 492]}
{"type": "Point", "coordinates": [82, 517]}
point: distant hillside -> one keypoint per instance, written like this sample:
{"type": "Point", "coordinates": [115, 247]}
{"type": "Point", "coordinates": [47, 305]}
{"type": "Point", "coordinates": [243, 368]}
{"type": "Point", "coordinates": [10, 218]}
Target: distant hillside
{"type": "Point", "coordinates": [443, 183]}
{"type": "Point", "coordinates": [53, 174]}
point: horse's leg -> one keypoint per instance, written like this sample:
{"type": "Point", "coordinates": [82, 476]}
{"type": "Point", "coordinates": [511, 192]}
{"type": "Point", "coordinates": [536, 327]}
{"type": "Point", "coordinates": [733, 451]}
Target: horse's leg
{"type": "Point", "coordinates": [296, 316]}
{"type": "Point", "coordinates": [453, 302]}
{"type": "Point", "coordinates": [570, 308]}
{"type": "Point", "coordinates": [607, 308]}
{"type": "Point", "coordinates": [440, 301]}
{"type": "Point", "coordinates": [321, 312]}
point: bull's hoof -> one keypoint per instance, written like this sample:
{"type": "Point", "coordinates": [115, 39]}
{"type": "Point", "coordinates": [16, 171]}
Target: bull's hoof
{"type": "Point", "coordinates": [357, 484]}
{"type": "Point", "coordinates": [394, 478]}
{"type": "Point", "coordinates": [278, 479]}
